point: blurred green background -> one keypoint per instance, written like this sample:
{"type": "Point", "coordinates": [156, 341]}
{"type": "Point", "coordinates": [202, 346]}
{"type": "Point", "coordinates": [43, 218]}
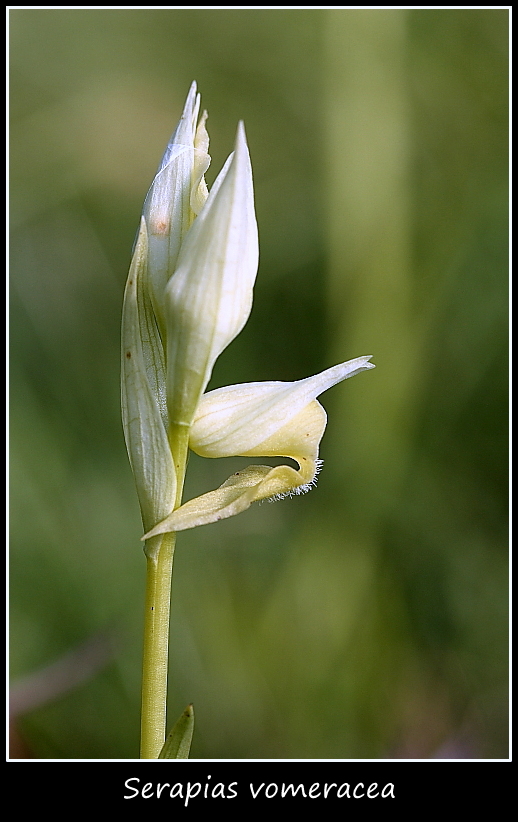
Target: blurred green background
{"type": "Point", "coordinates": [369, 618]}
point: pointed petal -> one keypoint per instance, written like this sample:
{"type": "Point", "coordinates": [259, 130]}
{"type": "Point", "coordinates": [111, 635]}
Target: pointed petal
{"type": "Point", "coordinates": [209, 298]}
{"type": "Point", "coordinates": [200, 192]}
{"type": "Point", "coordinates": [238, 418]}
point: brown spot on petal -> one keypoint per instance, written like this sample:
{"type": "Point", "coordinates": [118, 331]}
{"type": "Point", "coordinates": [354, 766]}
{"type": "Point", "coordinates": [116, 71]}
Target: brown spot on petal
{"type": "Point", "coordinates": [159, 226]}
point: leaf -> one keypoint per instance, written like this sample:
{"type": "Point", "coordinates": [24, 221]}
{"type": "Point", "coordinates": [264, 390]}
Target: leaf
{"type": "Point", "coordinates": [178, 742]}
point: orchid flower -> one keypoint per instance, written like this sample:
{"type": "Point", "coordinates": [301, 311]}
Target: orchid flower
{"type": "Point", "coordinates": [189, 294]}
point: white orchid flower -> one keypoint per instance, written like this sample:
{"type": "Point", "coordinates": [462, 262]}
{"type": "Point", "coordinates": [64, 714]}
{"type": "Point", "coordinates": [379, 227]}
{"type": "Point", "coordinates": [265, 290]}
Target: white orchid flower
{"type": "Point", "coordinates": [263, 419]}
{"type": "Point", "coordinates": [188, 295]}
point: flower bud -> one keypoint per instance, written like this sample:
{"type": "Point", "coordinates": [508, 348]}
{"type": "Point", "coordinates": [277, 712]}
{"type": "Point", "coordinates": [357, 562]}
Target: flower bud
{"type": "Point", "coordinates": [188, 294]}
{"type": "Point", "coordinates": [176, 195]}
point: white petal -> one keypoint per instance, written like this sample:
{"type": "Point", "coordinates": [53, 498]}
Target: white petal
{"type": "Point", "coordinates": [235, 419]}
{"type": "Point", "coordinates": [209, 298]}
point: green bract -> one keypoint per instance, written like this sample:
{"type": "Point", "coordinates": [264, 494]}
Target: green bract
{"type": "Point", "coordinates": [144, 416]}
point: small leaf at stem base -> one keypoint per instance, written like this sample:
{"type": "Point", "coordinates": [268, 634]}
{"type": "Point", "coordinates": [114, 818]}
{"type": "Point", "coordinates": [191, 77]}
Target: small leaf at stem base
{"type": "Point", "coordinates": [178, 742]}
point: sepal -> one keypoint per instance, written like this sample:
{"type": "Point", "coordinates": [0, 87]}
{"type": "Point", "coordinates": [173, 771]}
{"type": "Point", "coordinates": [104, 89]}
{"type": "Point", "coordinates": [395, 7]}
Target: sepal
{"type": "Point", "coordinates": [209, 298]}
{"type": "Point", "coordinates": [142, 394]}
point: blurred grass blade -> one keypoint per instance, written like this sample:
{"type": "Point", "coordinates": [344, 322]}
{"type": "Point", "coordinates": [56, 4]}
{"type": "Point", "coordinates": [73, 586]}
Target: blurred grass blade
{"type": "Point", "coordinates": [178, 742]}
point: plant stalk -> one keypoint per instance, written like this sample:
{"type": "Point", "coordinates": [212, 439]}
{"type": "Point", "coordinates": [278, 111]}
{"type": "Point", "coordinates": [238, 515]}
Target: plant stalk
{"type": "Point", "coordinates": [159, 555]}
{"type": "Point", "coordinates": [156, 646]}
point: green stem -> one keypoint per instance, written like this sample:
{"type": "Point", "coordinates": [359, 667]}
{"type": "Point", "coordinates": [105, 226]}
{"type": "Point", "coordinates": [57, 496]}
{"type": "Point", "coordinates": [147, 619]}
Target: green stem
{"type": "Point", "coordinates": [179, 443]}
{"type": "Point", "coordinates": [156, 646]}
{"type": "Point", "coordinates": [159, 554]}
